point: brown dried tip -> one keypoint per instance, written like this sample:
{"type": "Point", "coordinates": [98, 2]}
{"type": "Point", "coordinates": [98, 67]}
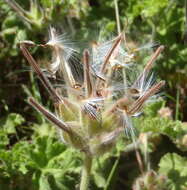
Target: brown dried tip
{"type": "Point", "coordinates": [51, 117]}
{"type": "Point", "coordinates": [149, 64]}
{"type": "Point", "coordinates": [117, 41]}
{"type": "Point", "coordinates": [27, 43]}
{"type": "Point", "coordinates": [40, 74]}
{"type": "Point", "coordinates": [137, 105]}
{"type": "Point", "coordinates": [107, 58]}
{"type": "Point", "coordinates": [154, 57]}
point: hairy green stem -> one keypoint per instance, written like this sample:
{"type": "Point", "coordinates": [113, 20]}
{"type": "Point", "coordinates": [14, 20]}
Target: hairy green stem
{"type": "Point", "coordinates": [112, 173]}
{"type": "Point", "coordinates": [86, 170]}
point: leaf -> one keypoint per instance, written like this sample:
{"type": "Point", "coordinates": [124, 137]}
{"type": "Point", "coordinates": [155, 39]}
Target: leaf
{"type": "Point", "coordinates": [43, 183]}
{"type": "Point", "coordinates": [173, 129]}
{"type": "Point", "coordinates": [12, 121]}
{"type": "Point", "coordinates": [173, 166]}
{"type": "Point", "coordinates": [47, 3]}
{"type": "Point", "coordinates": [151, 109]}
{"type": "Point", "coordinates": [3, 139]}
{"type": "Point", "coordinates": [101, 169]}
{"type": "Point", "coordinates": [55, 162]}
{"type": "Point", "coordinates": [99, 179]}
{"type": "Point", "coordinates": [44, 129]}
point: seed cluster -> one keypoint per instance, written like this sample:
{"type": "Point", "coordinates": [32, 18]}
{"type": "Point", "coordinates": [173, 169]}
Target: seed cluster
{"type": "Point", "coordinates": [89, 114]}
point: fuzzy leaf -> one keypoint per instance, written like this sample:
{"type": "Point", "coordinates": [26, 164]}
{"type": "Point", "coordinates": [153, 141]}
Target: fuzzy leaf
{"type": "Point", "coordinates": [55, 163]}
{"type": "Point", "coordinates": [12, 121]}
{"type": "Point", "coordinates": [173, 166]}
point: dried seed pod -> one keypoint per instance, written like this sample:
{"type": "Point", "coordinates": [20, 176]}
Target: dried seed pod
{"type": "Point", "coordinates": [90, 113]}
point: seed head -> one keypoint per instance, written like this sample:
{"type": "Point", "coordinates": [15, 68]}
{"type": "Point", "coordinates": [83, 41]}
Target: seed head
{"type": "Point", "coordinates": [92, 113]}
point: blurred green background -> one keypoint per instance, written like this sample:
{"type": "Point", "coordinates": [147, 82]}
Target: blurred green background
{"type": "Point", "coordinates": [24, 134]}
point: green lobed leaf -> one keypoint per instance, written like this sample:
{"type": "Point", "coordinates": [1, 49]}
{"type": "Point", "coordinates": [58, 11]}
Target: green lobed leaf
{"type": "Point", "coordinates": [173, 166]}
{"type": "Point", "coordinates": [12, 121]}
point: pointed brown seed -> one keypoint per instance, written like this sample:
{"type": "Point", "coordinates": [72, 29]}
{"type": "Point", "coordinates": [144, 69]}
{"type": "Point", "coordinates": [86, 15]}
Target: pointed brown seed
{"type": "Point", "coordinates": [117, 41]}
{"type": "Point", "coordinates": [51, 117]}
{"type": "Point", "coordinates": [149, 65]}
{"type": "Point", "coordinates": [40, 74]}
{"type": "Point", "coordinates": [87, 76]}
{"type": "Point", "coordinates": [153, 58]}
{"type": "Point", "coordinates": [100, 83]}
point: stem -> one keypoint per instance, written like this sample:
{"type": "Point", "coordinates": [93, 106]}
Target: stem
{"type": "Point", "coordinates": [86, 173]}
{"type": "Point", "coordinates": [72, 28]}
{"type": "Point", "coordinates": [177, 105]}
{"type": "Point", "coordinates": [112, 173]}
{"type": "Point", "coordinates": [146, 153]}
{"type": "Point", "coordinates": [138, 156]}
{"type": "Point", "coordinates": [124, 79]}
{"type": "Point", "coordinates": [117, 16]}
